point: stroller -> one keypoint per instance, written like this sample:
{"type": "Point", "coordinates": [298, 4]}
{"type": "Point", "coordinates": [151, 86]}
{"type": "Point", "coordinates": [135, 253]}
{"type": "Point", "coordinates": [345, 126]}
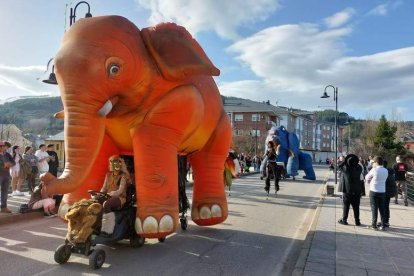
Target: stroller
{"type": "Point", "coordinates": [124, 229]}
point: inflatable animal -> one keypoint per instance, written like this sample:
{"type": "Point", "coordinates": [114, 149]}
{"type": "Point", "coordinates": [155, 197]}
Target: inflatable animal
{"type": "Point", "coordinates": [146, 93]}
{"type": "Point", "coordinates": [290, 154]}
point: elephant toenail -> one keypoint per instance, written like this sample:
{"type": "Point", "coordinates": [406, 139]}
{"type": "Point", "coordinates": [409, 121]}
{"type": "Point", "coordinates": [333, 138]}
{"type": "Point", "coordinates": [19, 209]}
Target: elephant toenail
{"type": "Point", "coordinates": [138, 226]}
{"type": "Point", "coordinates": [150, 225]}
{"type": "Point", "coordinates": [166, 224]}
{"type": "Point", "coordinates": [205, 212]}
{"type": "Point", "coordinates": [215, 211]}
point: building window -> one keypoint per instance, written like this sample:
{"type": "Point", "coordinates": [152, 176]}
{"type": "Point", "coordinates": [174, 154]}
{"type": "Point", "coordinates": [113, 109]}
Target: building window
{"type": "Point", "coordinates": [57, 146]}
{"type": "Point", "coordinates": [255, 132]}
{"type": "Point", "coordinates": [230, 116]}
{"type": "Point", "coordinates": [238, 132]}
{"type": "Point", "coordinates": [255, 117]}
{"type": "Point", "coordinates": [238, 117]}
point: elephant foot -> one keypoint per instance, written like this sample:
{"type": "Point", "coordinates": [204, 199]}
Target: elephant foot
{"type": "Point", "coordinates": [150, 227]}
{"type": "Point", "coordinates": [205, 215]}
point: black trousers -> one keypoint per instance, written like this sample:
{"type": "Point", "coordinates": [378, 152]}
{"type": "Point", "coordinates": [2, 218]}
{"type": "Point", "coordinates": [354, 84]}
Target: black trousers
{"type": "Point", "coordinates": [377, 201]}
{"type": "Point", "coordinates": [348, 200]}
{"type": "Point", "coordinates": [272, 171]}
{"type": "Point", "coordinates": [387, 209]}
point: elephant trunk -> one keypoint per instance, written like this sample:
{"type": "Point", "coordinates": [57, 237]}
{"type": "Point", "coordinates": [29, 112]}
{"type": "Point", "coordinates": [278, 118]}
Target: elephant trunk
{"type": "Point", "coordinates": [84, 133]}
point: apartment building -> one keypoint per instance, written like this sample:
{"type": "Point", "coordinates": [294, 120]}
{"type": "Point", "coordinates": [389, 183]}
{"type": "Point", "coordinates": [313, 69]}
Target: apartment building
{"type": "Point", "coordinates": [251, 120]}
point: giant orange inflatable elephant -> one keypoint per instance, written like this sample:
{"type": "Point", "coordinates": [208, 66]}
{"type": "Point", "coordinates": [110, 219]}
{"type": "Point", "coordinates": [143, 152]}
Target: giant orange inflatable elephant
{"type": "Point", "coordinates": [149, 94]}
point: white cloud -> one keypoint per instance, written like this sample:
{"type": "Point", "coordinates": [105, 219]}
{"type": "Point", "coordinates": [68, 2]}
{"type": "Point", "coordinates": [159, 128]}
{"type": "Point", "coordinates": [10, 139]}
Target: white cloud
{"type": "Point", "coordinates": [380, 10]}
{"type": "Point", "coordinates": [223, 17]}
{"type": "Point", "coordinates": [21, 81]}
{"type": "Point", "coordinates": [339, 18]}
{"type": "Point", "coordinates": [384, 9]}
{"type": "Point", "coordinates": [295, 62]}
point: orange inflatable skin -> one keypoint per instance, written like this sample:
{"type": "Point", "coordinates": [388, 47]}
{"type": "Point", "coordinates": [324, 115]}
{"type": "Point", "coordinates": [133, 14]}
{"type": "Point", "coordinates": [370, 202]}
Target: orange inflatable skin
{"type": "Point", "coordinates": [149, 94]}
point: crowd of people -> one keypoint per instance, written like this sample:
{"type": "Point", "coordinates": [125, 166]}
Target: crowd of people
{"type": "Point", "coordinates": [19, 168]}
{"type": "Point", "coordinates": [384, 183]}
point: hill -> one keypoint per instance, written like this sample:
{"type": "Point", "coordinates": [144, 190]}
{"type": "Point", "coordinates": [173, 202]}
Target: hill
{"type": "Point", "coordinates": [33, 115]}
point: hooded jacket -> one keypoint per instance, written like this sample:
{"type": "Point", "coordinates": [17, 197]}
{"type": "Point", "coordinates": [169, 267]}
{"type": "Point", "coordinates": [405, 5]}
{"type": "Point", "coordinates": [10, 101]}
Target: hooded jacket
{"type": "Point", "coordinates": [350, 181]}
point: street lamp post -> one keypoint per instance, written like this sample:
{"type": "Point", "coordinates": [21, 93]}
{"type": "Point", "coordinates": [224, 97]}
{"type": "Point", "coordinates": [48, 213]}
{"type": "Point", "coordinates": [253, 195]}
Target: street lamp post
{"type": "Point", "coordinates": [72, 17]}
{"type": "Point", "coordinates": [255, 132]}
{"type": "Point", "coordinates": [325, 95]}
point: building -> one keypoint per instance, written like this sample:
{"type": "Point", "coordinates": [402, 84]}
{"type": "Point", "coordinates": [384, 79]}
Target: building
{"type": "Point", "coordinates": [408, 141]}
{"type": "Point", "coordinates": [250, 122]}
{"type": "Point", "coordinates": [12, 134]}
{"type": "Point", "coordinates": [59, 141]}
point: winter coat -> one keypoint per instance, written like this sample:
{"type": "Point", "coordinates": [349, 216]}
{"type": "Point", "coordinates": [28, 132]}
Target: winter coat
{"type": "Point", "coordinates": [390, 184]}
{"type": "Point", "coordinates": [350, 180]}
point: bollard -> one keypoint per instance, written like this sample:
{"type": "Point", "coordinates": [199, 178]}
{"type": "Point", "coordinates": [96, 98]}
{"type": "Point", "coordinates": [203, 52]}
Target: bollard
{"type": "Point", "coordinates": [330, 190]}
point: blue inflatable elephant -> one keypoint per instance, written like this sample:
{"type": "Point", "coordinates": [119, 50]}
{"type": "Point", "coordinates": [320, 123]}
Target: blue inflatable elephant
{"type": "Point", "coordinates": [290, 154]}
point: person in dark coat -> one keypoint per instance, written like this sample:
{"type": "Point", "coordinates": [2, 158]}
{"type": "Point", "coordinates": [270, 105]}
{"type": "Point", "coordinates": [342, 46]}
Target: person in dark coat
{"type": "Point", "coordinates": [390, 192]}
{"type": "Point", "coordinates": [351, 185]}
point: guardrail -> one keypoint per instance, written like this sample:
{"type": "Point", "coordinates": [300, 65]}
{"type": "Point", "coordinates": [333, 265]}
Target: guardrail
{"type": "Point", "coordinates": [410, 186]}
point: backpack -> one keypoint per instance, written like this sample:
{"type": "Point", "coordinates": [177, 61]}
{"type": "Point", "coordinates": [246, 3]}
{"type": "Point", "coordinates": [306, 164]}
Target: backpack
{"type": "Point", "coordinates": [24, 208]}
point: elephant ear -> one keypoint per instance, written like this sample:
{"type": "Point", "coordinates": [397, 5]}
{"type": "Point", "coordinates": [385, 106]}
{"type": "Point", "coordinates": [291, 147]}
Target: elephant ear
{"type": "Point", "coordinates": [176, 53]}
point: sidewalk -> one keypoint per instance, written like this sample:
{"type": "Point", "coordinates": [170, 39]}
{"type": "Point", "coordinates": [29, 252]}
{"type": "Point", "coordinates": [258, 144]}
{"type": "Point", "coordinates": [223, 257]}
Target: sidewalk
{"type": "Point", "coordinates": [335, 249]}
{"type": "Point", "coordinates": [13, 203]}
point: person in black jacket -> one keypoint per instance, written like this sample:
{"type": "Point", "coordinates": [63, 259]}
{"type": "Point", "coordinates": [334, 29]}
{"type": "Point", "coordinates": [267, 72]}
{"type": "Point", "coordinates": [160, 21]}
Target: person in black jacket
{"type": "Point", "coordinates": [390, 192]}
{"type": "Point", "coordinates": [351, 187]}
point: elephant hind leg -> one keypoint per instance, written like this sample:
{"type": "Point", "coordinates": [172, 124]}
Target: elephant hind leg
{"type": "Point", "coordinates": [209, 205]}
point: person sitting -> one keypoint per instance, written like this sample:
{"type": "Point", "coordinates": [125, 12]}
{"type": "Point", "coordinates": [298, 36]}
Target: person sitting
{"type": "Point", "coordinates": [39, 199]}
{"type": "Point", "coordinates": [115, 184]}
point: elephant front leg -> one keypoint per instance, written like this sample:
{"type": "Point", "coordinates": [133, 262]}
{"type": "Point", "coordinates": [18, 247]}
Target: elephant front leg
{"type": "Point", "coordinates": [209, 204]}
{"type": "Point", "coordinates": [156, 183]}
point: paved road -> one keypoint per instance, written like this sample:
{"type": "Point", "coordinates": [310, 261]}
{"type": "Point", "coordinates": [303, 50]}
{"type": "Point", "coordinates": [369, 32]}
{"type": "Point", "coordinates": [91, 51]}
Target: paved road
{"type": "Point", "coordinates": [254, 240]}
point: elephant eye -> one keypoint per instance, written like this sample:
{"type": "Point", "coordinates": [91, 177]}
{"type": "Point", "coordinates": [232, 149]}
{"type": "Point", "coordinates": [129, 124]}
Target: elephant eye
{"type": "Point", "coordinates": [113, 69]}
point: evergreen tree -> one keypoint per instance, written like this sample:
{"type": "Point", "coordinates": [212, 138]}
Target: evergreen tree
{"type": "Point", "coordinates": [384, 140]}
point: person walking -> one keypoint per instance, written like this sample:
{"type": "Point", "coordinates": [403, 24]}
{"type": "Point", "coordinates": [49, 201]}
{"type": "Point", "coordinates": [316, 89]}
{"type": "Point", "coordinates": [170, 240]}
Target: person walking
{"type": "Point", "coordinates": [401, 170]}
{"type": "Point", "coordinates": [5, 165]}
{"type": "Point", "coordinates": [376, 179]}
{"type": "Point", "coordinates": [351, 186]}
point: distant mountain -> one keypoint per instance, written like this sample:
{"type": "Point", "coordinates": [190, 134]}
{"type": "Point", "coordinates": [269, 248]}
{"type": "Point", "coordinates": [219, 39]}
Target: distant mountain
{"type": "Point", "coordinates": [33, 114]}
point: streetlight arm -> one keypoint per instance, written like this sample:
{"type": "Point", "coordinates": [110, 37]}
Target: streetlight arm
{"type": "Point", "coordinates": [72, 16]}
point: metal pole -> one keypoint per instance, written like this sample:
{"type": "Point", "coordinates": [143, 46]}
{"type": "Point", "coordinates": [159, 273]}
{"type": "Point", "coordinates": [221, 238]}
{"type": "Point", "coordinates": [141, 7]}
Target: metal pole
{"type": "Point", "coordinates": [336, 134]}
{"type": "Point", "coordinates": [255, 150]}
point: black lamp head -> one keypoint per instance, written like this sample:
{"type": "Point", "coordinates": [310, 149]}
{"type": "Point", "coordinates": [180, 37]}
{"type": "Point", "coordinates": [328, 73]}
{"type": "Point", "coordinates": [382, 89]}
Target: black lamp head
{"type": "Point", "coordinates": [88, 14]}
{"type": "Point", "coordinates": [51, 79]}
{"type": "Point", "coordinates": [325, 95]}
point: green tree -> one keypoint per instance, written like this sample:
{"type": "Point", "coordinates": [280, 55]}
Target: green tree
{"type": "Point", "coordinates": [384, 140]}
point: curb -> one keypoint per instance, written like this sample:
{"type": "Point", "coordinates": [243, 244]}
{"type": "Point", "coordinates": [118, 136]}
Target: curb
{"type": "Point", "coordinates": [307, 243]}
{"type": "Point", "coordinates": [17, 217]}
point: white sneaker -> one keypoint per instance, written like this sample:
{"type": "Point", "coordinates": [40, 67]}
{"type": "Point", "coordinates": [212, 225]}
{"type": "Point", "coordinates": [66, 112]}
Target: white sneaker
{"type": "Point", "coordinates": [18, 193]}
{"type": "Point", "coordinates": [13, 194]}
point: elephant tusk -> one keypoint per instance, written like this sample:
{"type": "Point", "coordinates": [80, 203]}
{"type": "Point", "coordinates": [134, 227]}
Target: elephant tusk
{"type": "Point", "coordinates": [59, 115]}
{"type": "Point", "coordinates": [105, 109]}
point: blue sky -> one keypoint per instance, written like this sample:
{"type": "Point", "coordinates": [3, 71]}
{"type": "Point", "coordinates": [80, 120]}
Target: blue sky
{"type": "Point", "coordinates": [278, 50]}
